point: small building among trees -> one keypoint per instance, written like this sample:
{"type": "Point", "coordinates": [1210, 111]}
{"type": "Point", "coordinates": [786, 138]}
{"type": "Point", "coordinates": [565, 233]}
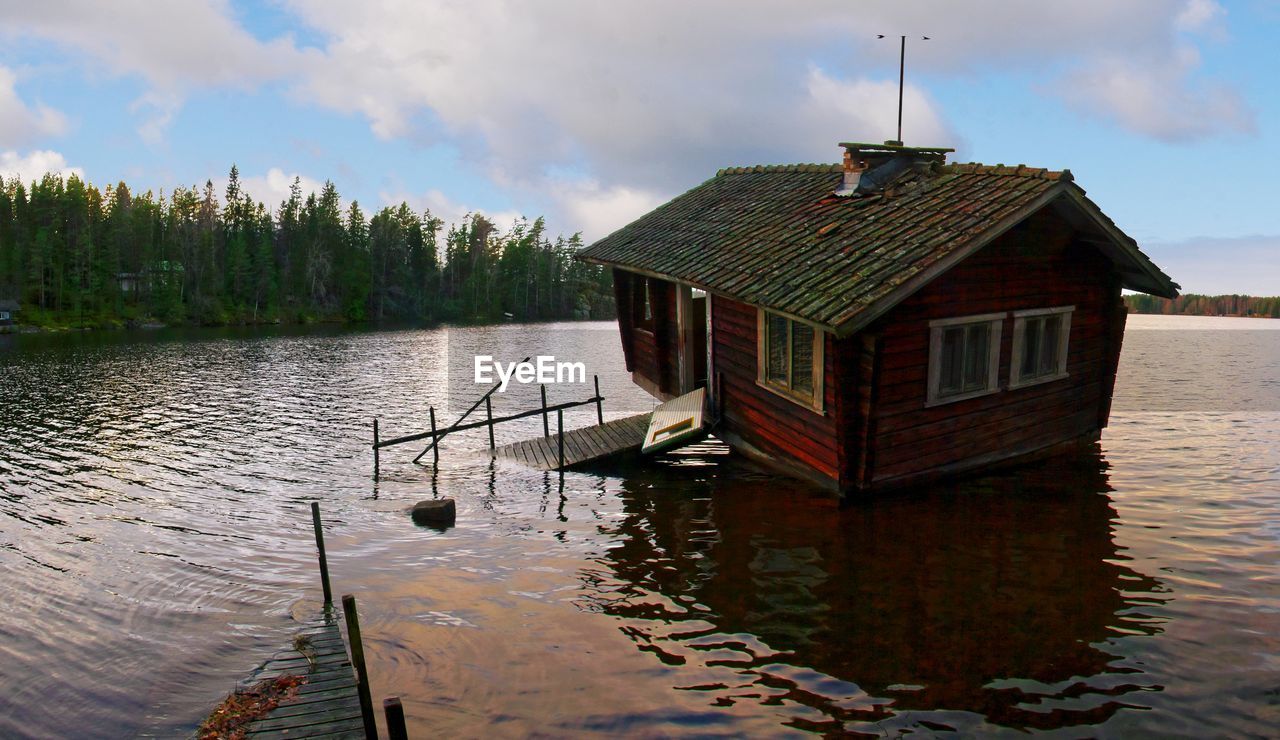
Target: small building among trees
{"type": "Point", "coordinates": [8, 311]}
{"type": "Point", "coordinates": [882, 322]}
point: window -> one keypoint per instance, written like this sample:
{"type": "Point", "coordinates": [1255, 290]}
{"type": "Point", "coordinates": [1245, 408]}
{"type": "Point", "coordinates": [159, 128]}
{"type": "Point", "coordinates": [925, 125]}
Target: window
{"type": "Point", "coordinates": [964, 357]}
{"type": "Point", "coordinates": [1039, 345]}
{"type": "Point", "coordinates": [790, 358]}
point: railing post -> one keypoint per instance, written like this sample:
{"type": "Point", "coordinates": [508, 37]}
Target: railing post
{"type": "Point", "coordinates": [599, 402]}
{"type": "Point", "coordinates": [560, 436]}
{"type": "Point", "coordinates": [488, 411]}
{"type": "Point", "coordinates": [362, 673]}
{"type": "Point", "coordinates": [375, 447]}
{"type": "Point", "coordinates": [546, 429]}
{"type": "Point", "coordinates": [324, 563]}
{"type": "Point", "coordinates": [395, 719]}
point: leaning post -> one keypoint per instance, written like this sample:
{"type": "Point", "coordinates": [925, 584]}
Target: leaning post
{"type": "Point", "coordinates": [324, 563]}
{"type": "Point", "coordinates": [362, 672]}
{"type": "Point", "coordinates": [435, 441]}
{"type": "Point", "coordinates": [599, 402]}
{"type": "Point", "coordinates": [488, 410]}
{"type": "Point", "coordinates": [546, 429]}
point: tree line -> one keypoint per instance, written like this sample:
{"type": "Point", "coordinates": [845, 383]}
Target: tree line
{"type": "Point", "coordinates": [1194, 304]}
{"type": "Point", "coordinates": [74, 255]}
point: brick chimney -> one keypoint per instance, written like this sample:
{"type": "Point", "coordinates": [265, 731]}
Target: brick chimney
{"type": "Point", "coordinates": [869, 168]}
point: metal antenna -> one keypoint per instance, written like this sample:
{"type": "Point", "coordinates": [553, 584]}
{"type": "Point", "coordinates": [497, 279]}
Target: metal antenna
{"type": "Point", "coordinates": [902, 75]}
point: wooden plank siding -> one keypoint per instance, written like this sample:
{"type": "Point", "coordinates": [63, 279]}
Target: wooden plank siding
{"type": "Point", "coordinates": [1037, 265]}
{"type": "Point", "coordinates": [773, 425]}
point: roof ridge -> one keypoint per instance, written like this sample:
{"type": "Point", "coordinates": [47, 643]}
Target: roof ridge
{"type": "Point", "coordinates": [1021, 170]}
{"type": "Point", "coordinates": [801, 167]}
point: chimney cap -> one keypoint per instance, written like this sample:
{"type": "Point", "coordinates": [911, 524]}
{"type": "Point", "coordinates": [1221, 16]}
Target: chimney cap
{"type": "Point", "coordinates": [894, 147]}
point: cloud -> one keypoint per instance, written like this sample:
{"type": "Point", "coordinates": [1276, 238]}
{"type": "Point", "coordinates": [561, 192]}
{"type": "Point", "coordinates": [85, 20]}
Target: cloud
{"type": "Point", "coordinates": [1159, 98]}
{"type": "Point", "coordinates": [177, 46]}
{"type": "Point", "coordinates": [447, 209]}
{"type": "Point", "coordinates": [20, 123]}
{"type": "Point", "coordinates": [34, 165]}
{"type": "Point", "coordinates": [596, 209]}
{"type": "Point", "coordinates": [651, 98]}
{"type": "Point", "coordinates": [1212, 265]}
{"type": "Point", "coordinates": [273, 188]}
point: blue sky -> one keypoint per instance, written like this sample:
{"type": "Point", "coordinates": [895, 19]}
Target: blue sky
{"type": "Point", "coordinates": [591, 113]}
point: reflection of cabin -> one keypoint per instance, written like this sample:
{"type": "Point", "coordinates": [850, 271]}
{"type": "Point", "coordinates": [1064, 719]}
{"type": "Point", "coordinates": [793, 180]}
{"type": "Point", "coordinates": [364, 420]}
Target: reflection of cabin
{"type": "Point", "coordinates": [8, 311]}
{"type": "Point", "coordinates": [884, 322]}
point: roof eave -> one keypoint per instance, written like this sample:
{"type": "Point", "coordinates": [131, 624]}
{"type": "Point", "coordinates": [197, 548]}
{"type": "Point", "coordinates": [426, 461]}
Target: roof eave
{"type": "Point", "coordinates": [1142, 274]}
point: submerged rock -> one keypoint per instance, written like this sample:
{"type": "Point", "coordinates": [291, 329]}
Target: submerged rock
{"type": "Point", "coordinates": [436, 512]}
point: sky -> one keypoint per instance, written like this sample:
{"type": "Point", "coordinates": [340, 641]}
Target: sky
{"type": "Point", "coordinates": [591, 113]}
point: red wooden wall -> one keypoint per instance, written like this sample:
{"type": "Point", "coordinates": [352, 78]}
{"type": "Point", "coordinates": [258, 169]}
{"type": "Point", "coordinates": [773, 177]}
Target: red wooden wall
{"type": "Point", "coordinates": [1036, 265]}
{"type": "Point", "coordinates": [773, 424]}
{"type": "Point", "coordinates": [652, 356]}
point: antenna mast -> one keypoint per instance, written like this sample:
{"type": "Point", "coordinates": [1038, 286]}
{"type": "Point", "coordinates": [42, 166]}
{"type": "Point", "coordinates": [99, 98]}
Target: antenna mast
{"type": "Point", "coordinates": [902, 76]}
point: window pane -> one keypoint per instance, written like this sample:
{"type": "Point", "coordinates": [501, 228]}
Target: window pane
{"type": "Point", "coordinates": [802, 358]}
{"type": "Point", "coordinates": [1030, 348]}
{"type": "Point", "coordinates": [776, 342]}
{"type": "Point", "coordinates": [648, 302]}
{"type": "Point", "coordinates": [1049, 345]}
{"type": "Point", "coordinates": [951, 362]}
{"type": "Point", "coordinates": [975, 357]}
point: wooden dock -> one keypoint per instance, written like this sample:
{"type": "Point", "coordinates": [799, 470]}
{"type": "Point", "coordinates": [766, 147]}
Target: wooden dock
{"type": "Point", "coordinates": [327, 705]}
{"type": "Point", "coordinates": [580, 445]}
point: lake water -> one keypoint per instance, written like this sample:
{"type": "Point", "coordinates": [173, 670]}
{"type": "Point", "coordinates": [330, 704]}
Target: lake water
{"type": "Point", "coordinates": [155, 546]}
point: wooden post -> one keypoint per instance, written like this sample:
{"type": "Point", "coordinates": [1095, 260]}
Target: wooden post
{"type": "Point", "coordinates": [546, 428]}
{"type": "Point", "coordinates": [375, 447]}
{"type": "Point", "coordinates": [395, 719]}
{"type": "Point", "coordinates": [435, 441]}
{"type": "Point", "coordinates": [324, 563]}
{"type": "Point", "coordinates": [362, 673]}
{"type": "Point", "coordinates": [599, 402]}
{"type": "Point", "coordinates": [560, 437]}
{"type": "Point", "coordinates": [488, 410]}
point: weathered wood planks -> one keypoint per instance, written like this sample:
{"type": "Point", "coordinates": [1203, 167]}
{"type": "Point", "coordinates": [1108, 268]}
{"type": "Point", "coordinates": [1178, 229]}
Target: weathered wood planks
{"type": "Point", "coordinates": [327, 704]}
{"type": "Point", "coordinates": [580, 445]}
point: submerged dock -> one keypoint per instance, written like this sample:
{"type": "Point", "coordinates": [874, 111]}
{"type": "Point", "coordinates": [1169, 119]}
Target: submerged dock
{"type": "Point", "coordinates": [328, 704]}
{"type": "Point", "coordinates": [581, 446]}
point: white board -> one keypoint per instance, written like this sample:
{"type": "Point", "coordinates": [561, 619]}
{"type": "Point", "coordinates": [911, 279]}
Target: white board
{"type": "Point", "coordinates": [676, 422]}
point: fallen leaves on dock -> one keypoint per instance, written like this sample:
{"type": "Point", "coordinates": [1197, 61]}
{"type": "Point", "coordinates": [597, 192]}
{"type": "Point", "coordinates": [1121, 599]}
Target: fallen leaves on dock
{"type": "Point", "coordinates": [229, 719]}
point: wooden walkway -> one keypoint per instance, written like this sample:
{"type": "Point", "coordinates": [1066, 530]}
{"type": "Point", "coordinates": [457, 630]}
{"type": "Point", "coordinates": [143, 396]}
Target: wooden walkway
{"type": "Point", "coordinates": [327, 705]}
{"type": "Point", "coordinates": [580, 445]}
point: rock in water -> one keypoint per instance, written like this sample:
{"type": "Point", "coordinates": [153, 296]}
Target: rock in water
{"type": "Point", "coordinates": [437, 512]}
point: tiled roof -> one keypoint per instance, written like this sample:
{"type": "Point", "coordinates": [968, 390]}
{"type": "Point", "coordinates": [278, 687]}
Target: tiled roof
{"type": "Point", "coordinates": [776, 236]}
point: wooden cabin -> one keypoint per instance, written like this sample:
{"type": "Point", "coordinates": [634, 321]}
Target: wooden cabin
{"type": "Point", "coordinates": [884, 321]}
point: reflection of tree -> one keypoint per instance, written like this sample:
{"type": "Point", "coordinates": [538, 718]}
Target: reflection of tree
{"type": "Point", "coordinates": [987, 596]}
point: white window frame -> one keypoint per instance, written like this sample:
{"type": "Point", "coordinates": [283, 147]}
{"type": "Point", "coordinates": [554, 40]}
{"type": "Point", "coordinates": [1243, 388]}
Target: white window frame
{"type": "Point", "coordinates": [813, 402]}
{"type": "Point", "coordinates": [1019, 335]}
{"type": "Point", "coordinates": [996, 322]}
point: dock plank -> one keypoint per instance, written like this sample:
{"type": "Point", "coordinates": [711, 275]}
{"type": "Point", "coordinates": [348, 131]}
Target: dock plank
{"type": "Point", "coordinates": [328, 704]}
{"type": "Point", "coordinates": [581, 445]}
